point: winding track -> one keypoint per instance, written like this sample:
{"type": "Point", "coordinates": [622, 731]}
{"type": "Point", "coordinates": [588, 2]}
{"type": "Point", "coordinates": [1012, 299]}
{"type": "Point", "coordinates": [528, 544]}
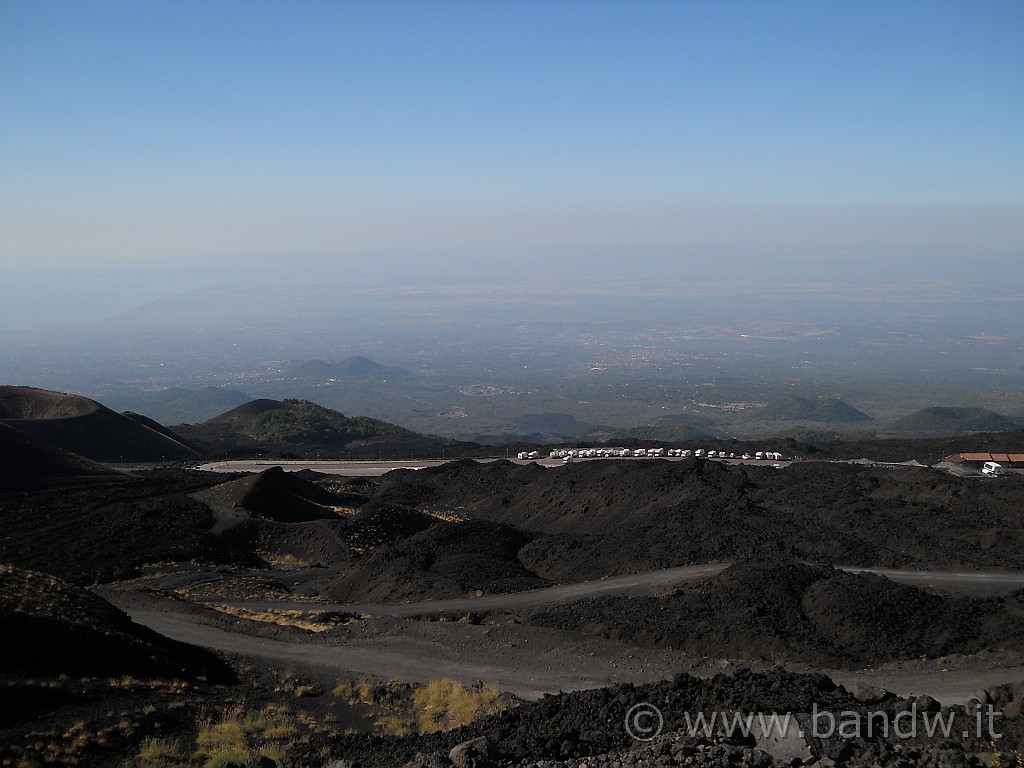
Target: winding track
{"type": "Point", "coordinates": [503, 655]}
{"type": "Point", "coordinates": [974, 583]}
{"type": "Point", "coordinates": [530, 661]}
{"type": "Point", "coordinates": [563, 593]}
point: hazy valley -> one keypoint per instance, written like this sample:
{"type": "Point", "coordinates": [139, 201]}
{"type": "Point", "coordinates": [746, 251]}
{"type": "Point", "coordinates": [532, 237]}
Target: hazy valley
{"type": "Point", "coordinates": [699, 353]}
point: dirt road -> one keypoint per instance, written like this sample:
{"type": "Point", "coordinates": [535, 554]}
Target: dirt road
{"type": "Point", "coordinates": [526, 661]}
{"type": "Point", "coordinates": [564, 593]}
{"type": "Point", "coordinates": [531, 661]}
{"type": "Point", "coordinates": [976, 583]}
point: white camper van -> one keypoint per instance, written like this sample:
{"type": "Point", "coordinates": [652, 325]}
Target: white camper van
{"type": "Point", "coordinates": [993, 468]}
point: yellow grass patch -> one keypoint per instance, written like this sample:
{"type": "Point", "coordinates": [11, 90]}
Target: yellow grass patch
{"type": "Point", "coordinates": [311, 621]}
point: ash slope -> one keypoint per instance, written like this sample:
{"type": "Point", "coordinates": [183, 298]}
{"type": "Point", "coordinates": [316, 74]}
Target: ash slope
{"type": "Point", "coordinates": [52, 627]}
{"type": "Point", "coordinates": [29, 463]}
{"type": "Point", "coordinates": [777, 608]}
{"type": "Point", "coordinates": [357, 551]}
{"type": "Point", "coordinates": [605, 518]}
{"type": "Point", "coordinates": [107, 532]}
{"type": "Point", "coordinates": [78, 425]}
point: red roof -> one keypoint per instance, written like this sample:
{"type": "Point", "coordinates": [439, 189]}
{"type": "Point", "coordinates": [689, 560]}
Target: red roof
{"type": "Point", "coordinates": [1008, 458]}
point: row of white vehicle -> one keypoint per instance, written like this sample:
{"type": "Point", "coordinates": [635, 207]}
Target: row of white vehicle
{"type": "Point", "coordinates": [568, 454]}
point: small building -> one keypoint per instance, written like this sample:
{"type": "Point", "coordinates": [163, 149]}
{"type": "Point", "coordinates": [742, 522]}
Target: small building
{"type": "Point", "coordinates": [978, 460]}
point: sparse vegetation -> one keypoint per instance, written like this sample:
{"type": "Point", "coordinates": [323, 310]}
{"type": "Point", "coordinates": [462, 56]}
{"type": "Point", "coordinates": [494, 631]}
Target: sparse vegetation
{"type": "Point", "coordinates": [1013, 758]}
{"type": "Point", "coordinates": [400, 709]}
{"type": "Point", "coordinates": [364, 692]}
{"type": "Point", "coordinates": [159, 752]}
{"type": "Point", "coordinates": [446, 704]}
{"type": "Point", "coordinates": [239, 735]}
{"type": "Point", "coordinates": [311, 621]}
{"type": "Point", "coordinates": [306, 423]}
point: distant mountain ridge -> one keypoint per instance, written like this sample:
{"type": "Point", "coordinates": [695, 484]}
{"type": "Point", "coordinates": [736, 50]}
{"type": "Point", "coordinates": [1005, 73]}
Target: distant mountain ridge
{"type": "Point", "coordinates": [177, 405]}
{"type": "Point", "coordinates": [356, 367]}
{"type": "Point", "coordinates": [939, 420]}
{"type": "Point", "coordinates": [827, 410]}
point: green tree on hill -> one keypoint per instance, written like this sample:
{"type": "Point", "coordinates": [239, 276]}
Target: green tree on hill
{"type": "Point", "coordinates": [306, 423]}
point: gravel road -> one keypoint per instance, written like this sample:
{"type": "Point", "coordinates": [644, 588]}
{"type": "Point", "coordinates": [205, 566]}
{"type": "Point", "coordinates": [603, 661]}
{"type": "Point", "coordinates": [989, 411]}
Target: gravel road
{"type": "Point", "coordinates": [532, 661]}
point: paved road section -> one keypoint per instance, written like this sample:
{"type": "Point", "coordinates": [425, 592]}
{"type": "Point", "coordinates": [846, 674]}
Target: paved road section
{"type": "Point", "coordinates": [347, 468]}
{"type": "Point", "coordinates": [377, 468]}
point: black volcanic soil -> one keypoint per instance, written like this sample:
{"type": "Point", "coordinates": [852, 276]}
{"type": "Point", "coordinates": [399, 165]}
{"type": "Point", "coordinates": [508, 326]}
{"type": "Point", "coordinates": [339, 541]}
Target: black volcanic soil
{"type": "Point", "coordinates": [929, 450]}
{"type": "Point", "coordinates": [52, 627]}
{"type": "Point", "coordinates": [106, 532]}
{"type": "Point", "coordinates": [275, 495]}
{"type": "Point", "coordinates": [82, 426]}
{"type": "Point", "coordinates": [29, 464]}
{"type": "Point", "coordinates": [587, 729]}
{"type": "Point", "coordinates": [611, 517]}
{"type": "Point", "coordinates": [776, 608]}
{"type": "Point", "coordinates": [446, 559]}
{"type": "Point", "coordinates": [468, 527]}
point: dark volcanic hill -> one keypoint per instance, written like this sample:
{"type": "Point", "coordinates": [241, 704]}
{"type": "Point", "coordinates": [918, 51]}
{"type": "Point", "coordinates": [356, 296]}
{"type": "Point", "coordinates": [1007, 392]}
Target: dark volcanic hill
{"type": "Point", "coordinates": [938, 421]}
{"type": "Point", "coordinates": [240, 417]}
{"type": "Point", "coordinates": [52, 627]}
{"type": "Point", "coordinates": [29, 463]}
{"type": "Point", "coordinates": [79, 425]}
{"type": "Point", "coordinates": [273, 495]}
{"type": "Point", "coordinates": [277, 424]}
{"type": "Point", "coordinates": [777, 607]}
{"type": "Point", "coordinates": [377, 552]}
{"type": "Point", "coordinates": [301, 427]}
{"type": "Point", "coordinates": [611, 517]}
{"type": "Point", "coordinates": [827, 410]}
{"type": "Point", "coordinates": [107, 532]}
{"type": "Point", "coordinates": [445, 558]}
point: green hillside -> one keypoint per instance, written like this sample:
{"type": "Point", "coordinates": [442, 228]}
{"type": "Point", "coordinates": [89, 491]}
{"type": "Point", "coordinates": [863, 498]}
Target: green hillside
{"type": "Point", "coordinates": [306, 423]}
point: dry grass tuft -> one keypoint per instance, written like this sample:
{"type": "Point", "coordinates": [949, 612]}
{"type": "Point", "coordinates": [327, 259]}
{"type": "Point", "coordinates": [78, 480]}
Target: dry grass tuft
{"type": "Point", "coordinates": [241, 734]}
{"type": "Point", "coordinates": [446, 704]}
{"type": "Point", "coordinates": [311, 621]}
{"type": "Point", "coordinates": [159, 752]}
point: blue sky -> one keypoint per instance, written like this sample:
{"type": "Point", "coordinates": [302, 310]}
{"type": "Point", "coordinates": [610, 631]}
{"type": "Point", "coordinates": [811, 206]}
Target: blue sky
{"type": "Point", "coordinates": [147, 132]}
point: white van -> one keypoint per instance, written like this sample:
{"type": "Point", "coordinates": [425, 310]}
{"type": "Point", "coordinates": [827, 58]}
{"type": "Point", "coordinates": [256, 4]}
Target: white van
{"type": "Point", "coordinates": [993, 468]}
